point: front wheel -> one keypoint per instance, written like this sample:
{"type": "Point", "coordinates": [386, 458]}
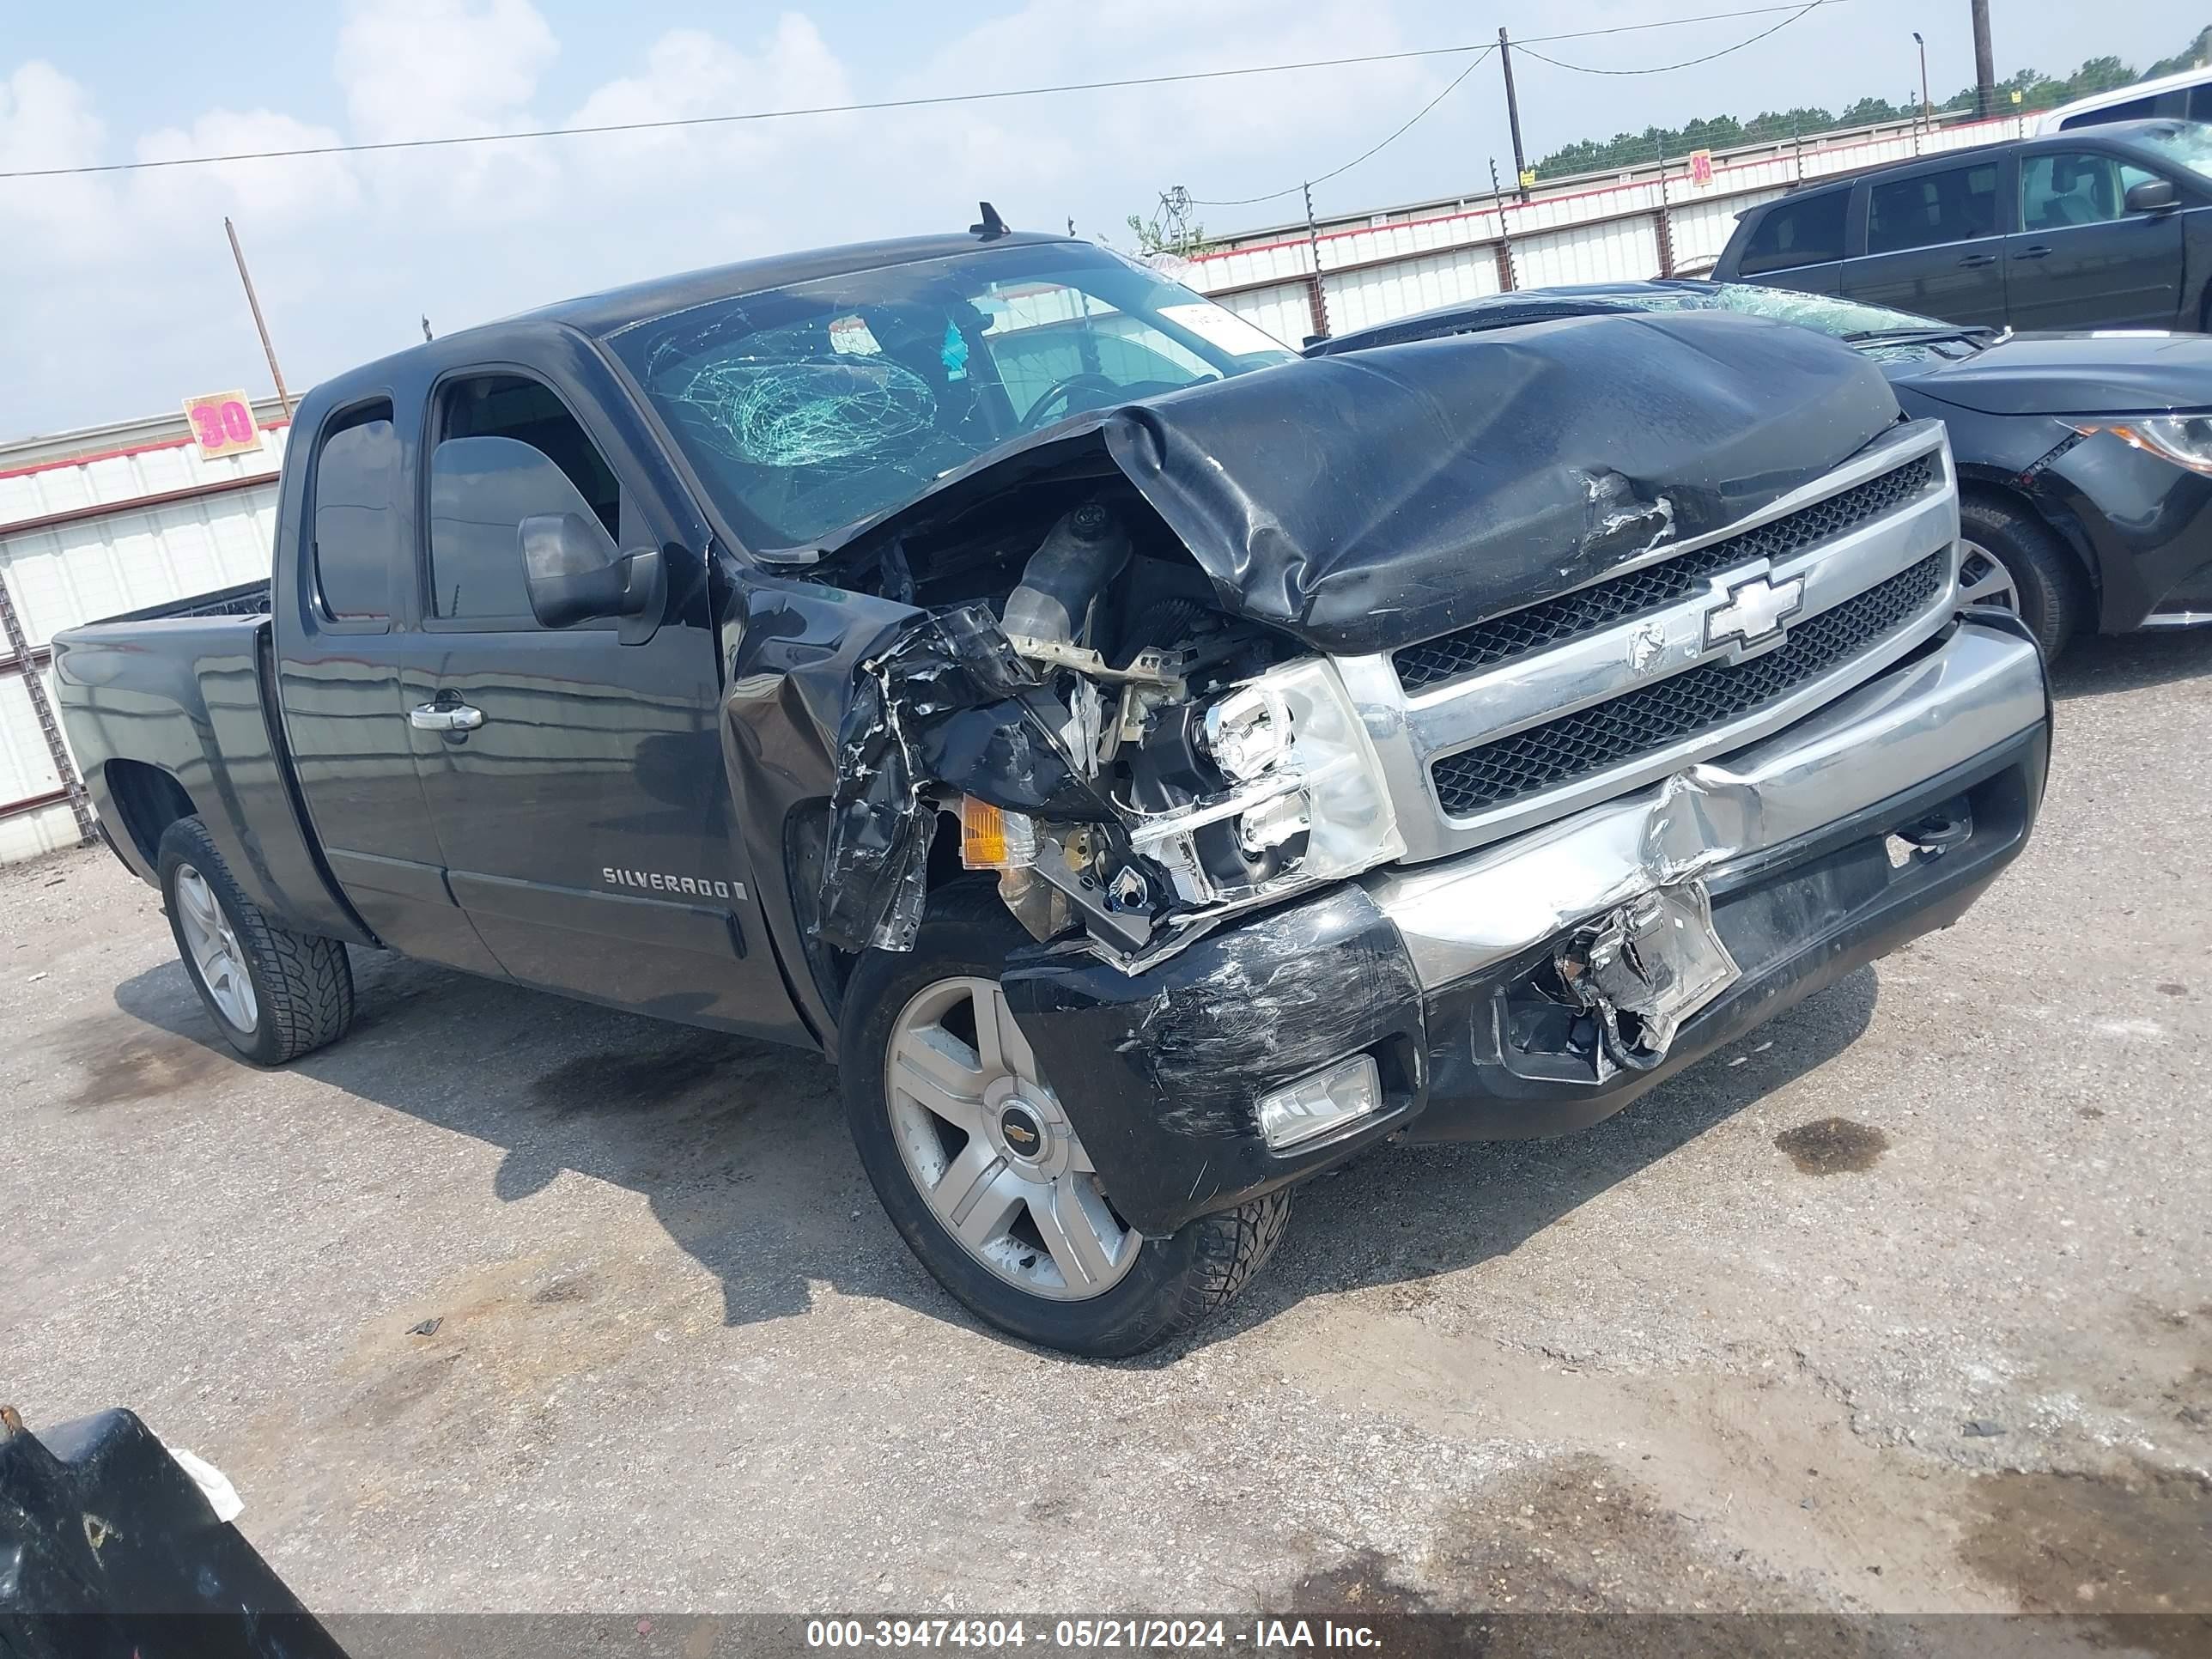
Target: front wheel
{"type": "Point", "coordinates": [273, 994]}
{"type": "Point", "coordinates": [979, 1167]}
{"type": "Point", "coordinates": [2011, 560]}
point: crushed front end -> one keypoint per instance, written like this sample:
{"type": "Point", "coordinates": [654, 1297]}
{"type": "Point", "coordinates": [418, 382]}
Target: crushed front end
{"type": "Point", "coordinates": [1322, 848]}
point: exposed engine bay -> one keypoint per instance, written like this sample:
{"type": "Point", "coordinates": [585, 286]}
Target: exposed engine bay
{"type": "Point", "coordinates": [1127, 757]}
{"type": "Point", "coordinates": [1123, 681]}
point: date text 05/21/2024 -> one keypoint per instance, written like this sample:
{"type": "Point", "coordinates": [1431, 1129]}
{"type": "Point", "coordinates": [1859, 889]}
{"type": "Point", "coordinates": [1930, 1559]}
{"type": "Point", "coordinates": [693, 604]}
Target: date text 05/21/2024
{"type": "Point", "coordinates": [1147, 1634]}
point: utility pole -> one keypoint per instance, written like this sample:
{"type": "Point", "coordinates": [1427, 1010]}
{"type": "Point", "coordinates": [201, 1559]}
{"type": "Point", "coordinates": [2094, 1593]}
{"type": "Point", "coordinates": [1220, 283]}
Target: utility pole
{"type": "Point", "coordinates": [267, 349]}
{"type": "Point", "coordinates": [1513, 113]}
{"type": "Point", "coordinates": [1986, 62]}
{"type": "Point", "coordinates": [1318, 294]}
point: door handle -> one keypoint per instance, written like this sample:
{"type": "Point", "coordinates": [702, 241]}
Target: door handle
{"type": "Point", "coordinates": [1973, 259]}
{"type": "Point", "coordinates": [2035, 253]}
{"type": "Point", "coordinates": [445, 717]}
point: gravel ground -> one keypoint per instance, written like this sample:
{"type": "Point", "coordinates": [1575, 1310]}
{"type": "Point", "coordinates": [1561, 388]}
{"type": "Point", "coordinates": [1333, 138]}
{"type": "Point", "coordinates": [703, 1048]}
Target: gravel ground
{"type": "Point", "coordinates": [1903, 1304]}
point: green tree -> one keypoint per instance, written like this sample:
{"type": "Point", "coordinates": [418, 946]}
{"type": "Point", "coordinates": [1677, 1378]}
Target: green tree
{"type": "Point", "coordinates": [2037, 91]}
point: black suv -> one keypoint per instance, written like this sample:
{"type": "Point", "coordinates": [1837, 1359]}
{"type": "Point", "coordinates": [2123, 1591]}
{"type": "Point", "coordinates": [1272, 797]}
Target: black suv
{"type": "Point", "coordinates": [2110, 228]}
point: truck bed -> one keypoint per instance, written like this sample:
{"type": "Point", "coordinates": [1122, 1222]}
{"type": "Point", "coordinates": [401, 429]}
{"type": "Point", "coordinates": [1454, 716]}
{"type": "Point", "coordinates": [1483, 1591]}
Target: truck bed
{"type": "Point", "coordinates": [246, 599]}
{"type": "Point", "coordinates": [178, 698]}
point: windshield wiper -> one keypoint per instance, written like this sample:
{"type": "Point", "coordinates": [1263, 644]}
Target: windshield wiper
{"type": "Point", "coordinates": [1907, 335]}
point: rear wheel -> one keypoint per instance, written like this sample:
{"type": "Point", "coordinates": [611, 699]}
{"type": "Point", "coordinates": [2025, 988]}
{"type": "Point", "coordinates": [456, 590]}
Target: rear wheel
{"type": "Point", "coordinates": [273, 994]}
{"type": "Point", "coordinates": [2011, 560]}
{"type": "Point", "coordinates": [975, 1161]}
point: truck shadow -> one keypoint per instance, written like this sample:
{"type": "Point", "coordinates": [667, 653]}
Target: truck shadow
{"type": "Point", "coordinates": [740, 1149]}
{"type": "Point", "coordinates": [2100, 666]}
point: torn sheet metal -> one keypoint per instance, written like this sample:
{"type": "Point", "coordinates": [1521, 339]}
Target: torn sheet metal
{"type": "Point", "coordinates": [950, 704]}
{"type": "Point", "coordinates": [1656, 960]}
{"type": "Point", "coordinates": [1381, 497]}
{"type": "Point", "coordinates": [1367, 502]}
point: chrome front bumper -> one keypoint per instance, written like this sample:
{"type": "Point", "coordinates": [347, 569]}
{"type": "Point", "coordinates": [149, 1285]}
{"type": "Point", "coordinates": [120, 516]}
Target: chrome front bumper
{"type": "Point", "coordinates": [1913, 724]}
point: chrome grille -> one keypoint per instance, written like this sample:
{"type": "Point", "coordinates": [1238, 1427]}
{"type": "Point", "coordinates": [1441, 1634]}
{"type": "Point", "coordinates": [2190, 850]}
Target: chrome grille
{"type": "Point", "coordinates": [1552, 622]}
{"type": "Point", "coordinates": [1594, 739]}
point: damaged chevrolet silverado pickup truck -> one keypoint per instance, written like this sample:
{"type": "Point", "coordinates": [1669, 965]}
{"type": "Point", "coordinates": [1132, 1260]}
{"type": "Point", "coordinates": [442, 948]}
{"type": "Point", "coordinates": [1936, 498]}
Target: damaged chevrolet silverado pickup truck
{"type": "Point", "coordinates": [1155, 767]}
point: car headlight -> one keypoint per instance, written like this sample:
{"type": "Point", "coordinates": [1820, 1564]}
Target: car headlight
{"type": "Point", "coordinates": [2184, 440]}
{"type": "Point", "coordinates": [1306, 803]}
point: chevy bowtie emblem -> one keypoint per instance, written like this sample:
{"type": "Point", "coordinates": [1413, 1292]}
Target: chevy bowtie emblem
{"type": "Point", "coordinates": [1755, 610]}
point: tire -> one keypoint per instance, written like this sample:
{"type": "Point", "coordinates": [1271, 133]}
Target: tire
{"type": "Point", "coordinates": [275, 995]}
{"type": "Point", "coordinates": [2047, 589]}
{"type": "Point", "coordinates": [1148, 1291]}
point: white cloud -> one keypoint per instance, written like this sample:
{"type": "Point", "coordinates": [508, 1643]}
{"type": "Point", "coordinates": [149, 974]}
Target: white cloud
{"type": "Point", "coordinates": [271, 192]}
{"type": "Point", "coordinates": [46, 121]}
{"type": "Point", "coordinates": [689, 73]}
{"type": "Point", "coordinates": [421, 68]}
{"type": "Point", "coordinates": [121, 298]}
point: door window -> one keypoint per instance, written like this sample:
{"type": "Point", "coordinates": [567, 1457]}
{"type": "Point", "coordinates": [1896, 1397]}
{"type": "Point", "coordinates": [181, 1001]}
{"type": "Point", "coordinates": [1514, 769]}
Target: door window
{"type": "Point", "coordinates": [357, 514]}
{"type": "Point", "coordinates": [1804, 232]}
{"type": "Point", "coordinates": [1955, 205]}
{"type": "Point", "coordinates": [476, 566]}
{"type": "Point", "coordinates": [2074, 187]}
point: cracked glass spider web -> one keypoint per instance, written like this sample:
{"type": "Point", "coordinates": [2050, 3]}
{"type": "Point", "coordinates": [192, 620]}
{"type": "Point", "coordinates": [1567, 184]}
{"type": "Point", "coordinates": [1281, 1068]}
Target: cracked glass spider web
{"type": "Point", "coordinates": [803, 414]}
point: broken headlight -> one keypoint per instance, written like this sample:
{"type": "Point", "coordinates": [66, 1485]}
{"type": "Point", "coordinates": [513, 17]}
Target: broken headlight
{"type": "Point", "coordinates": [1305, 801]}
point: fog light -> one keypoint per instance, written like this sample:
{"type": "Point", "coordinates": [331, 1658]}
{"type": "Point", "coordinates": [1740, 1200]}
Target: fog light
{"type": "Point", "coordinates": [1314, 1105]}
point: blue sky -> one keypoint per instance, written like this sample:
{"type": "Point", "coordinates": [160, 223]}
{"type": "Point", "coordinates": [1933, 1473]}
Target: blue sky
{"type": "Point", "coordinates": [121, 299]}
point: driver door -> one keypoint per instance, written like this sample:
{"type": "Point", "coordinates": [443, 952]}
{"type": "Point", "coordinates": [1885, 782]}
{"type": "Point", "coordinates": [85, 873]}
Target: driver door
{"type": "Point", "coordinates": [576, 781]}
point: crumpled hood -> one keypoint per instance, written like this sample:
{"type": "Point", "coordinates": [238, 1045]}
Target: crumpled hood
{"type": "Point", "coordinates": [1370, 501]}
{"type": "Point", "coordinates": [2106, 372]}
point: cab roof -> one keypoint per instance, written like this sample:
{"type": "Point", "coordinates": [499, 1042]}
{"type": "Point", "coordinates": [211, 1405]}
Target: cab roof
{"type": "Point", "coordinates": [618, 308]}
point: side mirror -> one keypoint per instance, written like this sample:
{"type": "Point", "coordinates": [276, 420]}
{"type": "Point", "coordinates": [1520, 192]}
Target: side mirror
{"type": "Point", "coordinates": [2152, 196]}
{"type": "Point", "coordinates": [574, 573]}
{"type": "Point", "coordinates": [492, 498]}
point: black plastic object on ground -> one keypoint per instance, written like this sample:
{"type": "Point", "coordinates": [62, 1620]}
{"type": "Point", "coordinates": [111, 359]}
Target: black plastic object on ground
{"type": "Point", "coordinates": [107, 1547]}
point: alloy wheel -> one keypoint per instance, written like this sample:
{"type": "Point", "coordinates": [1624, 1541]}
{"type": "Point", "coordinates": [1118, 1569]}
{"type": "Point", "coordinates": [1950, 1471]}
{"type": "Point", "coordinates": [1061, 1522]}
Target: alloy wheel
{"type": "Point", "coordinates": [1984, 580]}
{"type": "Point", "coordinates": [215, 951]}
{"type": "Point", "coordinates": [991, 1151]}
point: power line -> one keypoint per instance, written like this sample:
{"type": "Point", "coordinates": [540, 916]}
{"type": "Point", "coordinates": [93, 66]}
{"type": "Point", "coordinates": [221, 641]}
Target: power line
{"type": "Point", "coordinates": [1662, 68]}
{"type": "Point", "coordinates": [877, 105]}
{"type": "Point", "coordinates": [1308, 183]}
{"type": "Point", "coordinates": [1795, 12]}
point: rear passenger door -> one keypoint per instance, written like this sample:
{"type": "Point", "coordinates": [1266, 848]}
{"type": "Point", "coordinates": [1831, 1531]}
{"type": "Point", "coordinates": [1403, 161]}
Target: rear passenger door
{"type": "Point", "coordinates": [1934, 242]}
{"type": "Point", "coordinates": [576, 782]}
{"type": "Point", "coordinates": [2080, 258]}
{"type": "Point", "coordinates": [1798, 243]}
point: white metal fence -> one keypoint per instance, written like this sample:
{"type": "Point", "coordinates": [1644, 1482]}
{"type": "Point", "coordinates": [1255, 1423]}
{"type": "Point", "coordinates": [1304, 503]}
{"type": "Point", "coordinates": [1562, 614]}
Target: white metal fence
{"type": "Point", "coordinates": [97, 533]}
{"type": "Point", "coordinates": [1647, 222]}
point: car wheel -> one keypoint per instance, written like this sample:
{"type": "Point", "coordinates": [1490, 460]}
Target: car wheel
{"type": "Point", "coordinates": [980, 1170]}
{"type": "Point", "coordinates": [273, 994]}
{"type": "Point", "coordinates": [2012, 561]}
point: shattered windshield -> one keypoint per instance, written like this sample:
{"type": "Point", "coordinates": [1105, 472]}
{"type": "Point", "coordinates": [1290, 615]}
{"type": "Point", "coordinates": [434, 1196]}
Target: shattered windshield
{"type": "Point", "coordinates": [809, 408]}
{"type": "Point", "coordinates": [1876, 330]}
{"type": "Point", "coordinates": [1844, 318]}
